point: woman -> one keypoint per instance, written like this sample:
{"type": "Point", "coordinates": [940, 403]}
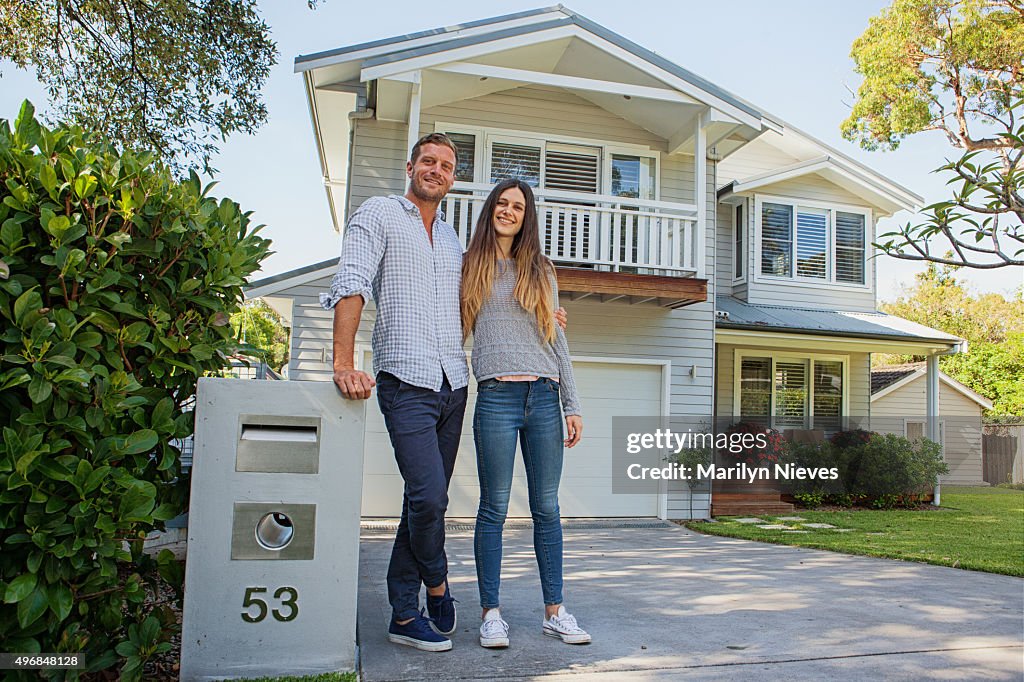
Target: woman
{"type": "Point", "coordinates": [521, 361]}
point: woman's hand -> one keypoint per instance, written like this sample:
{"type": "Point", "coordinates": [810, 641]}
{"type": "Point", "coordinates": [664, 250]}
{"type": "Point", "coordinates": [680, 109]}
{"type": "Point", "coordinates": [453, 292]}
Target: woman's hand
{"type": "Point", "coordinates": [561, 318]}
{"type": "Point", "coordinates": [573, 429]}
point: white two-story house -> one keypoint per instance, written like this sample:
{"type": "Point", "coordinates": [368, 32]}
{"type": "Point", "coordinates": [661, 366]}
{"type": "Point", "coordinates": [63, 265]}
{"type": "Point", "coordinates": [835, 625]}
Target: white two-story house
{"type": "Point", "coordinates": [713, 259]}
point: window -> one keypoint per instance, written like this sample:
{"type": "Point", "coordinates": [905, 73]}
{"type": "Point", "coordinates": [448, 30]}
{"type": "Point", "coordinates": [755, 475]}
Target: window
{"type": "Point", "coordinates": [915, 429]}
{"type": "Point", "coordinates": [776, 240]}
{"type": "Point", "coordinates": [466, 145]}
{"type": "Point", "coordinates": [790, 392]}
{"type": "Point", "coordinates": [633, 176]}
{"type": "Point", "coordinates": [515, 161]}
{"type": "Point", "coordinates": [739, 244]}
{"type": "Point", "coordinates": [571, 168]}
{"type": "Point", "coordinates": [812, 243]}
{"type": "Point", "coordinates": [850, 247]}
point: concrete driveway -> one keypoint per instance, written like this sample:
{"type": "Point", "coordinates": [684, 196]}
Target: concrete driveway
{"type": "Point", "coordinates": [664, 603]}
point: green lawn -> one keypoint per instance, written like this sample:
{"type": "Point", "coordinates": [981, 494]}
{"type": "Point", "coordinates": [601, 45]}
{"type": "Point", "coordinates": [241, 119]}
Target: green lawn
{"type": "Point", "coordinates": [327, 677]}
{"type": "Point", "coordinates": [981, 529]}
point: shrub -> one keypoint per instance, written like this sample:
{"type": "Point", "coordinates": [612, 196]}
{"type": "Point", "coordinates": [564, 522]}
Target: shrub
{"type": "Point", "coordinates": [817, 456]}
{"type": "Point", "coordinates": [892, 468]}
{"type": "Point", "coordinates": [116, 285]}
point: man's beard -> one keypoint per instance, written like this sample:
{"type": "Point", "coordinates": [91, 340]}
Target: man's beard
{"type": "Point", "coordinates": [425, 192]}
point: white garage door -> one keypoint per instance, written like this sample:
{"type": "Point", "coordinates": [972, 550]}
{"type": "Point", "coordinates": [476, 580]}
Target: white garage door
{"type": "Point", "coordinates": [607, 389]}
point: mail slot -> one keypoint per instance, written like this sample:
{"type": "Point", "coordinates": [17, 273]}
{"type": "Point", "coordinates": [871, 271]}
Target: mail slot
{"type": "Point", "coordinates": [278, 444]}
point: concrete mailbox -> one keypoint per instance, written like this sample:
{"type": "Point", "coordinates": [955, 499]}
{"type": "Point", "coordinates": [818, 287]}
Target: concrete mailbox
{"type": "Point", "coordinates": [273, 532]}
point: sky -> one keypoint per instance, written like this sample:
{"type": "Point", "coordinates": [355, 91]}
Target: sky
{"type": "Point", "coordinates": [788, 57]}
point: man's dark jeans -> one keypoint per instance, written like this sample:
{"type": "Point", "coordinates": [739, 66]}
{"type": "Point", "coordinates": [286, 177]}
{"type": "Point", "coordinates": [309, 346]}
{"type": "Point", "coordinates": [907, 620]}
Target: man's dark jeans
{"type": "Point", "coordinates": [425, 427]}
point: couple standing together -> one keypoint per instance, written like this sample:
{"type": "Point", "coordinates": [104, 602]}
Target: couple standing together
{"type": "Point", "coordinates": [430, 298]}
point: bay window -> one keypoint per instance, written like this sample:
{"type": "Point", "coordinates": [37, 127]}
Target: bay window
{"type": "Point", "coordinates": [811, 242]}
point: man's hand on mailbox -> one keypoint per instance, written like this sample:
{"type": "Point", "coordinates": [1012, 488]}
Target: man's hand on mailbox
{"type": "Point", "coordinates": [354, 384]}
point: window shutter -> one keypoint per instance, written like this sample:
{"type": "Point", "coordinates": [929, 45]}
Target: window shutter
{"type": "Point", "coordinates": [515, 161]}
{"type": "Point", "coordinates": [570, 170]}
{"type": "Point", "coordinates": [811, 242]}
{"type": "Point", "coordinates": [790, 394]}
{"type": "Point", "coordinates": [776, 239]}
{"type": "Point", "coordinates": [850, 247]}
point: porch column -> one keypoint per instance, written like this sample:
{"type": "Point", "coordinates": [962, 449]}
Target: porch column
{"type": "Point", "coordinates": [932, 410]}
{"type": "Point", "coordinates": [414, 111]}
{"type": "Point", "coordinates": [700, 180]}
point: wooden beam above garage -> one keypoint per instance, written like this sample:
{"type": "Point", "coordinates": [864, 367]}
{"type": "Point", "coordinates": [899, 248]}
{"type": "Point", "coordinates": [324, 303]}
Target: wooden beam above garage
{"type": "Point", "coordinates": [669, 292]}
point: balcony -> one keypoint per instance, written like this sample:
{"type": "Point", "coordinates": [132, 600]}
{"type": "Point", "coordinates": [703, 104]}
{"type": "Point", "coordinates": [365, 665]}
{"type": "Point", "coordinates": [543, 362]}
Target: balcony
{"type": "Point", "coordinates": [605, 246]}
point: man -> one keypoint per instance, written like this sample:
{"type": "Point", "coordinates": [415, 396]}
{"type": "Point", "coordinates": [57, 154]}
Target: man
{"type": "Point", "coordinates": [399, 249]}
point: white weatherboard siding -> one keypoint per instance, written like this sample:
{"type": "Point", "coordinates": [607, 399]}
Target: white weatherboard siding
{"type": "Point", "coordinates": [859, 381]}
{"type": "Point", "coordinates": [962, 431]}
{"type": "Point", "coordinates": [724, 248]}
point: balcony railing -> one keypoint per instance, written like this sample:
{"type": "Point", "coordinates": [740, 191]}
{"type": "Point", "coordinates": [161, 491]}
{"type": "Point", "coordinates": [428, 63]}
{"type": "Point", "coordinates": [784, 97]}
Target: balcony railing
{"type": "Point", "coordinates": [603, 232]}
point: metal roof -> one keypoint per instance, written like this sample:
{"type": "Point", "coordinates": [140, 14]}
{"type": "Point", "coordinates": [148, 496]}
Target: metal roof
{"type": "Point", "coordinates": [385, 56]}
{"type": "Point", "coordinates": [850, 324]}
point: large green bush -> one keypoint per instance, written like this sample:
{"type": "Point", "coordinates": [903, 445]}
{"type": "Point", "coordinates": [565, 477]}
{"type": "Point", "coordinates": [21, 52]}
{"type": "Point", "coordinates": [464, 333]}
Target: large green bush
{"type": "Point", "coordinates": [874, 469]}
{"type": "Point", "coordinates": [116, 286]}
{"type": "Point", "coordinates": [891, 468]}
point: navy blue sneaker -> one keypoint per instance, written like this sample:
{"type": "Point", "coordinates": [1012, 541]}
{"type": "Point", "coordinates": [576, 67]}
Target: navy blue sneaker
{"type": "Point", "coordinates": [442, 612]}
{"type": "Point", "coordinates": [419, 634]}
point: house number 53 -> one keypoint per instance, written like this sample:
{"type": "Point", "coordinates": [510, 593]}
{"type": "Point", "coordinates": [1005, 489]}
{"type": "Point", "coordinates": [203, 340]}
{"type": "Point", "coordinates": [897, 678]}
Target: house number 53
{"type": "Point", "coordinates": [287, 607]}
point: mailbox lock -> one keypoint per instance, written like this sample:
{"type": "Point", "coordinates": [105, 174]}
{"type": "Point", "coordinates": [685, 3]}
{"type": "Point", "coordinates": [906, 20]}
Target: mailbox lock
{"type": "Point", "coordinates": [274, 531]}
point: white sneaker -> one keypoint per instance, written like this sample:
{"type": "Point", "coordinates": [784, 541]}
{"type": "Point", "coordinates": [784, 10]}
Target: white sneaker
{"type": "Point", "coordinates": [494, 631]}
{"type": "Point", "coordinates": [563, 625]}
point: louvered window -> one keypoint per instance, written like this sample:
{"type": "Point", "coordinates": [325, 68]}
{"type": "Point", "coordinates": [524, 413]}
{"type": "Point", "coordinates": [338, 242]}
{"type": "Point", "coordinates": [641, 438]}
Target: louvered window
{"type": "Point", "coordinates": [790, 394]}
{"type": "Point", "coordinates": [850, 247]}
{"type": "Point", "coordinates": [515, 161]}
{"type": "Point", "coordinates": [572, 169]}
{"type": "Point", "coordinates": [776, 239]}
{"type": "Point", "coordinates": [812, 243]}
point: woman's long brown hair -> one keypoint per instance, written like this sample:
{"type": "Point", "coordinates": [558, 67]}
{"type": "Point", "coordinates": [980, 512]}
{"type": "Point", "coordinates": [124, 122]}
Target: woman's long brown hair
{"type": "Point", "coordinates": [534, 269]}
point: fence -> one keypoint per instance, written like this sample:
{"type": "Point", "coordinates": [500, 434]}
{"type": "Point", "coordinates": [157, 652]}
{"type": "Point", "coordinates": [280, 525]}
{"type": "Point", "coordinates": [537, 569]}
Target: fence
{"type": "Point", "coordinates": [1002, 453]}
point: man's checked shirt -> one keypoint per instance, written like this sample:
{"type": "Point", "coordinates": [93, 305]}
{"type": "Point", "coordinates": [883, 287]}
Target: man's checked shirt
{"type": "Point", "coordinates": [386, 254]}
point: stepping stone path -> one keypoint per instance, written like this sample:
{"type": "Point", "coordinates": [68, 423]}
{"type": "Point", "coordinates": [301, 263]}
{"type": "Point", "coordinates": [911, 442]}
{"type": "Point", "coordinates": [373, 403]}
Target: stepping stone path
{"type": "Point", "coordinates": [843, 530]}
{"type": "Point", "coordinates": [818, 525]}
{"type": "Point", "coordinates": [790, 518]}
{"type": "Point", "coordinates": [796, 531]}
{"type": "Point", "coordinates": [750, 520]}
{"type": "Point", "coordinates": [774, 526]}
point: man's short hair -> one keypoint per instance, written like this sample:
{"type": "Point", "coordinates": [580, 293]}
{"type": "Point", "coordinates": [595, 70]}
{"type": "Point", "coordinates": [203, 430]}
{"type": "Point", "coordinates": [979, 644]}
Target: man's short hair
{"type": "Point", "coordinates": [433, 138]}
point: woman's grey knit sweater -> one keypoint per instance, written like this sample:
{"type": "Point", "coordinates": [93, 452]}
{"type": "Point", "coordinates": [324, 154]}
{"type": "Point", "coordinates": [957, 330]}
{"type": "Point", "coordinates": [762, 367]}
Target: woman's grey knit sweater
{"type": "Point", "coordinates": [506, 341]}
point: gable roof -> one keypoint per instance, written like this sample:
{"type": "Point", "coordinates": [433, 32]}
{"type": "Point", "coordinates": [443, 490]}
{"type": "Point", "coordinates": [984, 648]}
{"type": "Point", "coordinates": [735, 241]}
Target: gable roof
{"type": "Point", "coordinates": [840, 170]}
{"type": "Point", "coordinates": [439, 40]}
{"type": "Point", "coordinates": [881, 377]}
{"type": "Point", "coordinates": [908, 373]}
